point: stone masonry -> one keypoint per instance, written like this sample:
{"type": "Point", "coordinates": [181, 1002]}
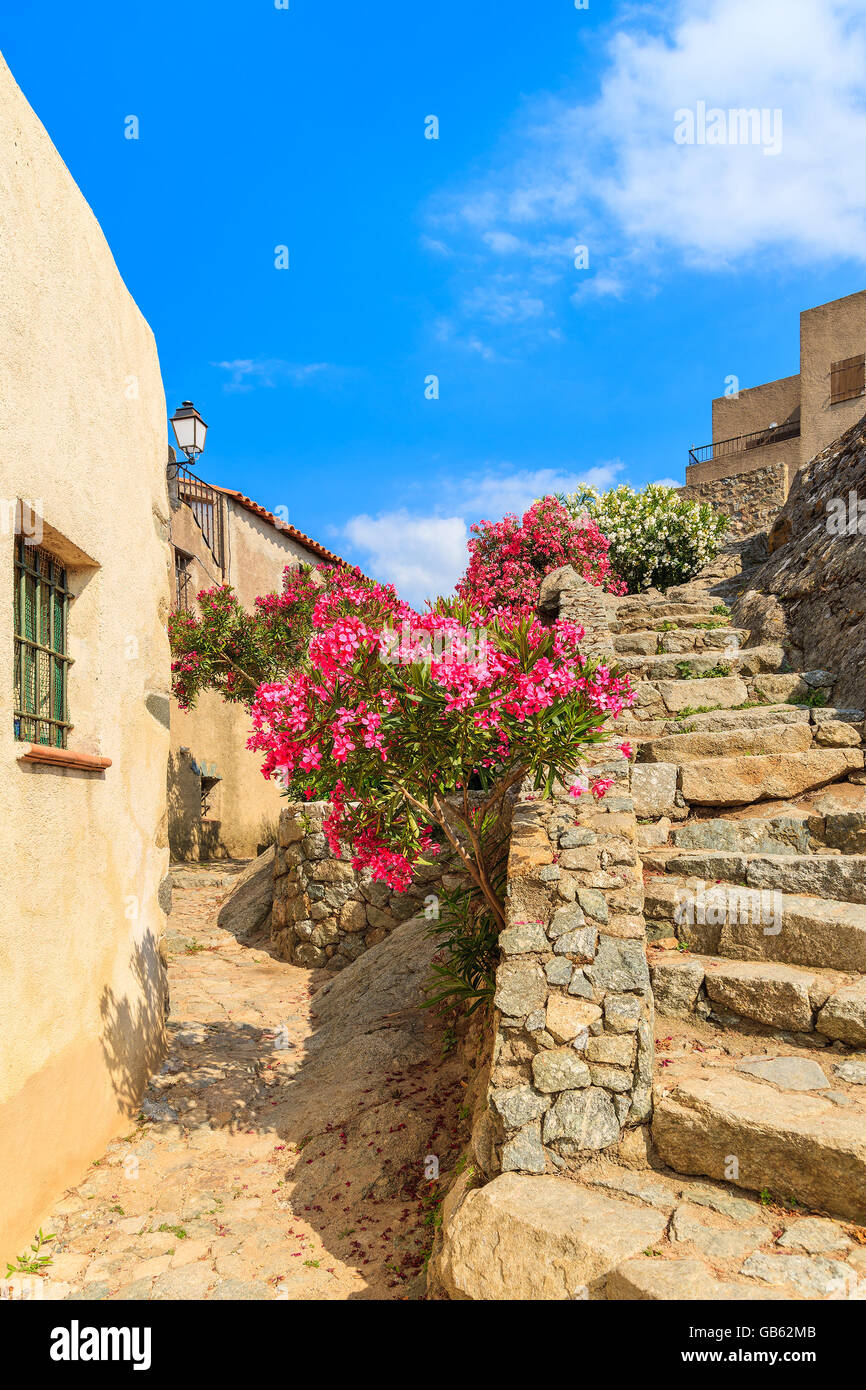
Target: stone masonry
{"type": "Point", "coordinates": [325, 912]}
{"type": "Point", "coordinates": [751, 501]}
{"type": "Point", "coordinates": [573, 1046]}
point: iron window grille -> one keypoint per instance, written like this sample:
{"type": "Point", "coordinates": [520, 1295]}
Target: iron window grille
{"type": "Point", "coordinates": [182, 582]}
{"type": "Point", "coordinates": [42, 662]}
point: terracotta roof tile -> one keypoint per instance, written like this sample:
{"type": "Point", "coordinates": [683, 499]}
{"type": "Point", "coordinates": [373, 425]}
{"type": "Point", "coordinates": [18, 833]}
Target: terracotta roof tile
{"type": "Point", "coordinates": [287, 530]}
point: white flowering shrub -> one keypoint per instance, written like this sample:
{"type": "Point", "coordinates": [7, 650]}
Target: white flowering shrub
{"type": "Point", "coordinates": [657, 538]}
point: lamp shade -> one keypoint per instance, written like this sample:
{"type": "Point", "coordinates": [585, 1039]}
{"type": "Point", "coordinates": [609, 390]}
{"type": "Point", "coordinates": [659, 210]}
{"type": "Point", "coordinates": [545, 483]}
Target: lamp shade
{"type": "Point", "coordinates": [190, 430]}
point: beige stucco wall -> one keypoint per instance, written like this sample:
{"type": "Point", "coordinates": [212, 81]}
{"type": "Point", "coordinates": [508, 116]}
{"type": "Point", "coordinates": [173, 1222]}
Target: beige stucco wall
{"type": "Point", "coordinates": [82, 855]}
{"type": "Point", "coordinates": [782, 455]}
{"type": "Point", "coordinates": [243, 805]}
{"type": "Point", "coordinates": [829, 333]}
{"type": "Point", "coordinates": [755, 407]}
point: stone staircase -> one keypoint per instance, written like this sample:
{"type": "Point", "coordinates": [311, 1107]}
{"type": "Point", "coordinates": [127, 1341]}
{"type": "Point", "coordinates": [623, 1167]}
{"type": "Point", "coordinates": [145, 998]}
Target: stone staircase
{"type": "Point", "coordinates": [749, 1182]}
{"type": "Point", "coordinates": [750, 791]}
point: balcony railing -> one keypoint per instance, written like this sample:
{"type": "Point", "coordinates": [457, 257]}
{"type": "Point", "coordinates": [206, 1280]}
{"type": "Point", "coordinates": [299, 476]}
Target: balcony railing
{"type": "Point", "coordinates": [206, 506]}
{"type": "Point", "coordinates": [723, 447]}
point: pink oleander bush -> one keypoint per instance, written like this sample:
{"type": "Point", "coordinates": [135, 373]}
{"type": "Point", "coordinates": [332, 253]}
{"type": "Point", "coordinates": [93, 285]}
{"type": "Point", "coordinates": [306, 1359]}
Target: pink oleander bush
{"type": "Point", "coordinates": [509, 558]}
{"type": "Point", "coordinates": [413, 726]}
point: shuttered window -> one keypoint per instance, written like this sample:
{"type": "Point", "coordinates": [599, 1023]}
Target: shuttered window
{"type": "Point", "coordinates": [182, 588]}
{"type": "Point", "coordinates": [41, 658]}
{"type": "Point", "coordinates": [847, 379]}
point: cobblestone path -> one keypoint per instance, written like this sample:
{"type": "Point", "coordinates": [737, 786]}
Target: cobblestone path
{"type": "Point", "coordinates": [210, 1194]}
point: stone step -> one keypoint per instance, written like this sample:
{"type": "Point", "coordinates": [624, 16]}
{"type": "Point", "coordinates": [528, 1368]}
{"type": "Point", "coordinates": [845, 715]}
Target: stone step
{"type": "Point", "coordinates": [752, 924]}
{"type": "Point", "coordinates": [719, 721]}
{"type": "Point", "coordinates": [657, 699]}
{"type": "Point", "coordinates": [643, 617]}
{"type": "Point", "coordinates": [782, 1124]}
{"type": "Point", "coordinates": [789, 997]}
{"type": "Point", "coordinates": [687, 747]}
{"type": "Point", "coordinates": [722, 1244]}
{"type": "Point", "coordinates": [649, 642]}
{"type": "Point", "coordinates": [711, 721]}
{"type": "Point", "coordinates": [744, 661]}
{"type": "Point", "coordinates": [841, 876]}
{"type": "Point", "coordinates": [784, 834]}
{"type": "Point", "coordinates": [745, 780]}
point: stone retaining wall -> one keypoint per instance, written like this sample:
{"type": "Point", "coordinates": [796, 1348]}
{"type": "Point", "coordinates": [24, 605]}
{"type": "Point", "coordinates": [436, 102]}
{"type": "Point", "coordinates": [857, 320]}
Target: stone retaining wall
{"type": "Point", "coordinates": [573, 1044]}
{"type": "Point", "coordinates": [751, 501]}
{"type": "Point", "coordinates": [325, 912]}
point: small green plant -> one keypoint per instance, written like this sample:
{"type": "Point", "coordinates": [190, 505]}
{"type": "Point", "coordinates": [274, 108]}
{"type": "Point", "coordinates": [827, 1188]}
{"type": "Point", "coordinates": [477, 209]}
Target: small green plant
{"type": "Point", "coordinates": [192, 948]}
{"type": "Point", "coordinates": [118, 1208]}
{"type": "Point", "coordinates": [813, 699]}
{"type": "Point", "coordinates": [721, 608]}
{"type": "Point", "coordinates": [312, 1264]}
{"type": "Point", "coordinates": [689, 710]}
{"type": "Point", "coordinates": [32, 1261]}
{"type": "Point", "coordinates": [177, 1231]}
{"type": "Point", "coordinates": [720, 669]}
{"type": "Point", "coordinates": [468, 933]}
{"type": "Point", "coordinates": [687, 672]}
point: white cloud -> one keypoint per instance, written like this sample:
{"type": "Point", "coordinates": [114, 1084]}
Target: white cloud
{"type": "Point", "coordinates": [667, 482]}
{"type": "Point", "coordinates": [246, 373]}
{"type": "Point", "coordinates": [502, 303]}
{"type": "Point", "coordinates": [608, 173]}
{"type": "Point", "coordinates": [493, 493]}
{"type": "Point", "coordinates": [424, 554]}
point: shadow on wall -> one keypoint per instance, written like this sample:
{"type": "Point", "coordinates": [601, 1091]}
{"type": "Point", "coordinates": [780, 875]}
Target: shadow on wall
{"type": "Point", "coordinates": [190, 835]}
{"type": "Point", "coordinates": [133, 1027]}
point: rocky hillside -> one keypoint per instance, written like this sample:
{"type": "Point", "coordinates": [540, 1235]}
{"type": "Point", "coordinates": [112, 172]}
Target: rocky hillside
{"type": "Point", "coordinates": [810, 594]}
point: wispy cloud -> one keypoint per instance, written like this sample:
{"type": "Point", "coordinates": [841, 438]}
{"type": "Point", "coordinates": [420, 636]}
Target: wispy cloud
{"type": "Point", "coordinates": [608, 174]}
{"type": "Point", "coordinates": [247, 373]}
{"type": "Point", "coordinates": [424, 552]}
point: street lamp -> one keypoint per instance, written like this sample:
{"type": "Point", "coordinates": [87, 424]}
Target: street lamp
{"type": "Point", "coordinates": [190, 431]}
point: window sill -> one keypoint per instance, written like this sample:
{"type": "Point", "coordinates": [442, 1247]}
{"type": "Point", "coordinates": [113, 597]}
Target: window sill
{"type": "Point", "coordinates": [63, 758]}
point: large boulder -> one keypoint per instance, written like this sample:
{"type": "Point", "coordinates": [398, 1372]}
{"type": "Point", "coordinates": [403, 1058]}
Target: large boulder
{"type": "Point", "coordinates": [541, 1238]}
{"type": "Point", "coordinates": [247, 908]}
{"type": "Point", "coordinates": [811, 592]}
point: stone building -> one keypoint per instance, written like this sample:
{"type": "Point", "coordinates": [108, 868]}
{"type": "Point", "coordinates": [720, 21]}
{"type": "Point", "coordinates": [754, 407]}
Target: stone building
{"type": "Point", "coordinates": [764, 434]}
{"type": "Point", "coordinates": [219, 803]}
{"type": "Point", "coordinates": [84, 701]}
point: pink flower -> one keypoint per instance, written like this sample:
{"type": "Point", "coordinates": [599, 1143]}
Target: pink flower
{"type": "Point", "coordinates": [601, 786]}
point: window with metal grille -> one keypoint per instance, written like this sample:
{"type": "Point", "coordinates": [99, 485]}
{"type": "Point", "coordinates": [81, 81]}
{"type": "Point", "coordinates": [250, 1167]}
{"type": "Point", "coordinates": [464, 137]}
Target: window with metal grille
{"type": "Point", "coordinates": [41, 660]}
{"type": "Point", "coordinates": [182, 578]}
{"type": "Point", "coordinates": [847, 378]}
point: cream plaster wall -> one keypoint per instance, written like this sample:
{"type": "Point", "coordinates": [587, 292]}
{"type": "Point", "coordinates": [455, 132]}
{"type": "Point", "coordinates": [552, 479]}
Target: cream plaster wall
{"type": "Point", "coordinates": [829, 333]}
{"type": "Point", "coordinates": [755, 407]}
{"type": "Point", "coordinates": [82, 855]}
{"type": "Point", "coordinates": [215, 733]}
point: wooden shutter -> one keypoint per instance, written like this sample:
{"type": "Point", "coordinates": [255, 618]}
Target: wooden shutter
{"type": "Point", "coordinates": [847, 378]}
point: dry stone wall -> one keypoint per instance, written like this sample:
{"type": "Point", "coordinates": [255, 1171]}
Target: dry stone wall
{"type": "Point", "coordinates": [326, 913]}
{"type": "Point", "coordinates": [751, 500]}
{"type": "Point", "coordinates": [573, 1045]}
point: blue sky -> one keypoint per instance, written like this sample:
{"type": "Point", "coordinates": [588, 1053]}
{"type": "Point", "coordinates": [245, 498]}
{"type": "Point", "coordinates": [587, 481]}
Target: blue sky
{"type": "Point", "coordinates": [409, 257]}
